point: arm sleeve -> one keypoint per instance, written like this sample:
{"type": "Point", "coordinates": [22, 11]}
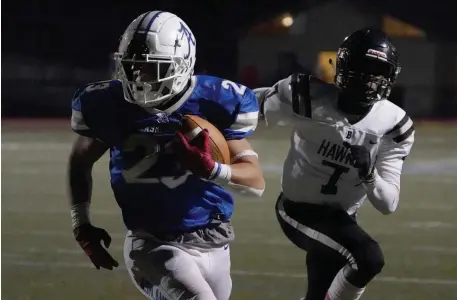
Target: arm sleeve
{"type": "Point", "coordinates": [246, 118]}
{"type": "Point", "coordinates": [384, 191]}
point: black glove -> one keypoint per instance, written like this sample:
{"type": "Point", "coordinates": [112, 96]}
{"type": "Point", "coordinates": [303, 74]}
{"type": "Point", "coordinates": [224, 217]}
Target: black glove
{"type": "Point", "coordinates": [89, 238]}
{"type": "Point", "coordinates": [361, 160]}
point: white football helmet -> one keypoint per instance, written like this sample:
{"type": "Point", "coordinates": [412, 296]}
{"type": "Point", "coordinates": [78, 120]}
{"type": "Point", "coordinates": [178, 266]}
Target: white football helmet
{"type": "Point", "coordinates": [155, 59]}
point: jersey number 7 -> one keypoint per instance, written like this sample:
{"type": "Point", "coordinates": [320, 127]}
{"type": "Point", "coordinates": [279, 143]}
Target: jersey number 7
{"type": "Point", "coordinates": [330, 188]}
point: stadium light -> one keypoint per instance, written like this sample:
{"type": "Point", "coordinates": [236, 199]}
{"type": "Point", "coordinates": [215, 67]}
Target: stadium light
{"type": "Point", "coordinates": [287, 21]}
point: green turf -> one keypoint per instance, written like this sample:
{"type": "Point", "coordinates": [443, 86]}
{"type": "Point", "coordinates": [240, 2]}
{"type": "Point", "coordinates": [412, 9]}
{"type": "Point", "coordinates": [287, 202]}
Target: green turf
{"type": "Point", "coordinates": [40, 259]}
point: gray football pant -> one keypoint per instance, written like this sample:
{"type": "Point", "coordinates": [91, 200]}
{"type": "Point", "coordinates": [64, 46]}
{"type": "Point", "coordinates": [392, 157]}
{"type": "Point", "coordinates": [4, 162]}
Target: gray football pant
{"type": "Point", "coordinates": [161, 271]}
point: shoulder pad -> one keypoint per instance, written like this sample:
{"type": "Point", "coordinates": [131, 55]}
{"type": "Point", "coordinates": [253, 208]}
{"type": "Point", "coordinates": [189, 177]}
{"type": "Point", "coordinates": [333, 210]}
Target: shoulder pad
{"type": "Point", "coordinates": [89, 103]}
{"type": "Point", "coordinates": [306, 89]}
{"type": "Point", "coordinates": [94, 89]}
{"type": "Point", "coordinates": [238, 105]}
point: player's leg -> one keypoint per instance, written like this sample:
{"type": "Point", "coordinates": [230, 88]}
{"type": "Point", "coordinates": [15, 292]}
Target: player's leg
{"type": "Point", "coordinates": [351, 280]}
{"type": "Point", "coordinates": [320, 228]}
{"type": "Point", "coordinates": [163, 271]}
{"type": "Point", "coordinates": [365, 260]}
{"type": "Point", "coordinates": [322, 268]}
{"type": "Point", "coordinates": [322, 263]}
{"type": "Point", "coordinates": [218, 273]}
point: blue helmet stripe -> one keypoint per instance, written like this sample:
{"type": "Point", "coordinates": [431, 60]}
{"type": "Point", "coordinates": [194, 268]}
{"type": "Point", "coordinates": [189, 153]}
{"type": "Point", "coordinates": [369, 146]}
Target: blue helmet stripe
{"type": "Point", "coordinates": [141, 22]}
{"type": "Point", "coordinates": [152, 20]}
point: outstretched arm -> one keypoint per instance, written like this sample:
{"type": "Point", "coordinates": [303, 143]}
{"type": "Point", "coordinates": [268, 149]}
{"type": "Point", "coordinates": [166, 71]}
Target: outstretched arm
{"type": "Point", "coordinates": [275, 101]}
{"type": "Point", "coordinates": [289, 98]}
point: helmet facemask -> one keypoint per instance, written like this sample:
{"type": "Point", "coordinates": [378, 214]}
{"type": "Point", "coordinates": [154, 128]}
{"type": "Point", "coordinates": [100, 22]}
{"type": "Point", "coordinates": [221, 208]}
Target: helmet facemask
{"type": "Point", "coordinates": [364, 80]}
{"type": "Point", "coordinates": [149, 79]}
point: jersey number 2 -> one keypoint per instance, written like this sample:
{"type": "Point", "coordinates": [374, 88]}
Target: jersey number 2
{"type": "Point", "coordinates": [330, 187]}
{"type": "Point", "coordinates": [238, 88]}
{"type": "Point", "coordinates": [148, 150]}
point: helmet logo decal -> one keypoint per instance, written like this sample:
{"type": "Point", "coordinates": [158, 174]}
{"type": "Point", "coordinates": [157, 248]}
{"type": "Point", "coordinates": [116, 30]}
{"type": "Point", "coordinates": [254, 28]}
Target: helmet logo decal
{"type": "Point", "coordinates": [190, 39]}
{"type": "Point", "coordinates": [376, 54]}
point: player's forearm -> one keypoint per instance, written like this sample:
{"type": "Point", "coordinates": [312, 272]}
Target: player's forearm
{"type": "Point", "coordinates": [79, 184]}
{"type": "Point", "coordinates": [247, 174]}
{"type": "Point", "coordinates": [247, 178]}
{"type": "Point", "coordinates": [242, 177]}
{"type": "Point", "coordinates": [85, 152]}
{"type": "Point", "coordinates": [80, 192]}
{"type": "Point", "coordinates": [383, 195]}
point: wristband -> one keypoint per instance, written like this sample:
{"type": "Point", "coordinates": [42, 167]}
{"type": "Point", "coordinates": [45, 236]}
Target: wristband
{"type": "Point", "coordinates": [221, 173]}
{"type": "Point", "coordinates": [371, 178]}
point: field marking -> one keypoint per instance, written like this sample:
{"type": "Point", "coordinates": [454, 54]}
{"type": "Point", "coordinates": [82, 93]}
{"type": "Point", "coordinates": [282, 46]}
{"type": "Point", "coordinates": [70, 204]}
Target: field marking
{"type": "Point", "coordinates": [428, 206]}
{"type": "Point", "coordinates": [249, 240]}
{"type": "Point", "coordinates": [104, 212]}
{"type": "Point", "coordinates": [429, 225]}
{"type": "Point", "coordinates": [35, 146]}
{"type": "Point", "coordinates": [388, 279]}
{"type": "Point", "coordinates": [406, 227]}
{"type": "Point", "coordinates": [445, 179]}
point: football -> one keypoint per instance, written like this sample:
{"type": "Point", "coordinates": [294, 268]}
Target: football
{"type": "Point", "coordinates": [193, 125]}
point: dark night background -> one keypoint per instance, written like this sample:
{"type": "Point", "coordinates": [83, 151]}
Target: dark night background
{"type": "Point", "coordinates": [83, 34]}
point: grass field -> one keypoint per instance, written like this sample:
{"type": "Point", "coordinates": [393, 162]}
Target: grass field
{"type": "Point", "coordinates": [40, 259]}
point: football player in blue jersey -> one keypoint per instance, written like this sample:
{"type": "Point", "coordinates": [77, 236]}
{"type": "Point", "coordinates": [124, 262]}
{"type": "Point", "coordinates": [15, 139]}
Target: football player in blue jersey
{"type": "Point", "coordinates": [171, 192]}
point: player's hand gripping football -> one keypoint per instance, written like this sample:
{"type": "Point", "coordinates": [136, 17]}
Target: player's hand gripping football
{"type": "Point", "coordinates": [195, 155]}
{"type": "Point", "coordinates": [361, 160]}
{"type": "Point", "coordinates": [89, 238]}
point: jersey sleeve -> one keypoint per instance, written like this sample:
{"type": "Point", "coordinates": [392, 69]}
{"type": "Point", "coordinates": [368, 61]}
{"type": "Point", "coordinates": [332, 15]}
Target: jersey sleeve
{"type": "Point", "coordinates": [88, 107]}
{"type": "Point", "coordinates": [396, 146]}
{"type": "Point", "coordinates": [276, 103]}
{"type": "Point", "coordinates": [384, 191]}
{"type": "Point", "coordinates": [78, 123]}
{"type": "Point", "coordinates": [246, 118]}
{"type": "Point", "coordinates": [292, 97]}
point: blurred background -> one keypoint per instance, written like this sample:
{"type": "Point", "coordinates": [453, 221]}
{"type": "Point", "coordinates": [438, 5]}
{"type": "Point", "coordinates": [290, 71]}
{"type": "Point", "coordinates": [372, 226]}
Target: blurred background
{"type": "Point", "coordinates": [50, 48]}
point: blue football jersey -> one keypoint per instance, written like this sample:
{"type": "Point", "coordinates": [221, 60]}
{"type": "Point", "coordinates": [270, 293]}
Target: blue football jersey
{"type": "Point", "coordinates": [152, 190]}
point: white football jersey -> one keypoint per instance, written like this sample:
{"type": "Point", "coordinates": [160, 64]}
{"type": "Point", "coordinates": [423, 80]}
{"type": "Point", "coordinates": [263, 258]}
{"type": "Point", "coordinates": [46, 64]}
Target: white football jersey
{"type": "Point", "coordinates": [317, 168]}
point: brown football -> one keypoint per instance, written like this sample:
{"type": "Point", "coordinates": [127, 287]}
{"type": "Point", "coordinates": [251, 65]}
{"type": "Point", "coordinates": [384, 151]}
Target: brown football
{"type": "Point", "coordinates": [193, 125]}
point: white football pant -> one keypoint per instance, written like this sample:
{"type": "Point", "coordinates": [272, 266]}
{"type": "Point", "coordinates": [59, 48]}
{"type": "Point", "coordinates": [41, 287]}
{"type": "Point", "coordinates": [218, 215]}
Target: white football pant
{"type": "Point", "coordinates": [165, 272]}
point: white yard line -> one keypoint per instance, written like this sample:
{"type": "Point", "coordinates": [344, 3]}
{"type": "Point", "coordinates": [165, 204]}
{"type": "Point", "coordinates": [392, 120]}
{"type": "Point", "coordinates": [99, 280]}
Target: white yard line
{"type": "Point", "coordinates": [35, 146]}
{"type": "Point", "coordinates": [247, 240]}
{"type": "Point", "coordinates": [110, 212]}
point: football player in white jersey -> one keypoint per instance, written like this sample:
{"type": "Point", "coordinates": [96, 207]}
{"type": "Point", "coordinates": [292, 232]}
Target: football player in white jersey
{"type": "Point", "coordinates": [348, 144]}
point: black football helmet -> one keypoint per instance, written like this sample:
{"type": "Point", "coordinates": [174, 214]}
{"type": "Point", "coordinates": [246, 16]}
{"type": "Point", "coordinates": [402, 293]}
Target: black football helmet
{"type": "Point", "coordinates": [366, 69]}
